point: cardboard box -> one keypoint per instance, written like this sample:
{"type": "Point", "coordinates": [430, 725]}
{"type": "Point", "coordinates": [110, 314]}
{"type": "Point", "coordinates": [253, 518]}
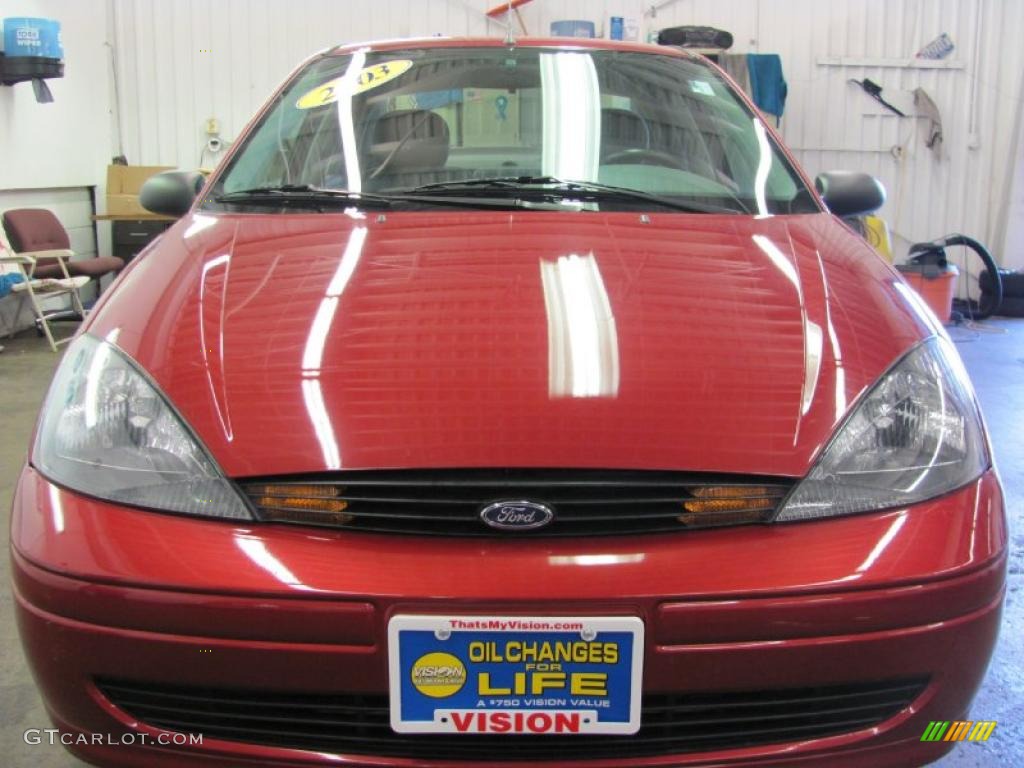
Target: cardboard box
{"type": "Point", "coordinates": [128, 179]}
{"type": "Point", "coordinates": [124, 205]}
{"type": "Point", "coordinates": [123, 185]}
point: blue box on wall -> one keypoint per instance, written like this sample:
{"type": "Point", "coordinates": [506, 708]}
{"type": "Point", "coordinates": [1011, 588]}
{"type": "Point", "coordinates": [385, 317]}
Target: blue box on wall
{"type": "Point", "coordinates": [32, 50]}
{"type": "Point", "coordinates": [32, 37]}
{"type": "Point", "coordinates": [572, 28]}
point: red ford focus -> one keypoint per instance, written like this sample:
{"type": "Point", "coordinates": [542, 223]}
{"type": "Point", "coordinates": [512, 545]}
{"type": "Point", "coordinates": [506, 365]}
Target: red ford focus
{"type": "Point", "coordinates": [509, 403]}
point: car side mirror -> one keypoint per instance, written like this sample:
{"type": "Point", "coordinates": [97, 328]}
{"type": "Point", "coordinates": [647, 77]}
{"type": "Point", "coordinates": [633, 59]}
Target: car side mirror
{"type": "Point", "coordinates": [171, 193]}
{"type": "Point", "coordinates": [850, 193]}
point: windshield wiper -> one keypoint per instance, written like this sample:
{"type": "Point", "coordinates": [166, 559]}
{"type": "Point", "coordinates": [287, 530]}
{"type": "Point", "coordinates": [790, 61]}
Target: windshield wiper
{"type": "Point", "coordinates": [303, 194]}
{"type": "Point", "coordinates": [317, 197]}
{"type": "Point", "coordinates": [499, 182]}
{"type": "Point", "coordinates": [550, 186]}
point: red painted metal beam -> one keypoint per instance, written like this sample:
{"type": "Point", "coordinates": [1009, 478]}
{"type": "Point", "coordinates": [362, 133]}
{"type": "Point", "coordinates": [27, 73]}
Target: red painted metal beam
{"type": "Point", "coordinates": [506, 7]}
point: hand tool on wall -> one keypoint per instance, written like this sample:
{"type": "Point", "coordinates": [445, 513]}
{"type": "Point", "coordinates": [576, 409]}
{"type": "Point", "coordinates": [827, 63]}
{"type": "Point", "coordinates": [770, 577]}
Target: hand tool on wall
{"type": "Point", "coordinates": [874, 90]}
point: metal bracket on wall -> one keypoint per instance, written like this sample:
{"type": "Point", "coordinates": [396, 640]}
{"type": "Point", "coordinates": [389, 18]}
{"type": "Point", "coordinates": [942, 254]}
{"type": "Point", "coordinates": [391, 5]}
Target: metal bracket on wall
{"type": "Point", "coordinates": [893, 63]}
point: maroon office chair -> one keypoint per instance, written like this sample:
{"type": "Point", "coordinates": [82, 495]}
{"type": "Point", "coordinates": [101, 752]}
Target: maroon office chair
{"type": "Point", "coordinates": [33, 231]}
{"type": "Point", "coordinates": [41, 251]}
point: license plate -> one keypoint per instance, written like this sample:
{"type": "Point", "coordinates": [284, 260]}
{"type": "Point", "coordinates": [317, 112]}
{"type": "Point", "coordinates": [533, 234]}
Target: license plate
{"type": "Point", "coordinates": [515, 674]}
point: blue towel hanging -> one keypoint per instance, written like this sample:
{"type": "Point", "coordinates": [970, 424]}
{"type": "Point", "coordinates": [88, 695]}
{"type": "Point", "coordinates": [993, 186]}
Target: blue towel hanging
{"type": "Point", "coordinates": [767, 85]}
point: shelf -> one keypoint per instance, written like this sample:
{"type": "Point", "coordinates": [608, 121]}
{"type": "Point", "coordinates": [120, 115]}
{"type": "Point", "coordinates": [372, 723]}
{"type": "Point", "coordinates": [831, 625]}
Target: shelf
{"type": "Point", "coordinates": [892, 63]}
{"type": "Point", "coordinates": [23, 69]}
{"type": "Point", "coordinates": [131, 217]}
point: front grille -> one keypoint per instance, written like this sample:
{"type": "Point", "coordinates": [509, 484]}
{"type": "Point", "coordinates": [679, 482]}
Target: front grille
{"type": "Point", "coordinates": [670, 723]}
{"type": "Point", "coordinates": [449, 502]}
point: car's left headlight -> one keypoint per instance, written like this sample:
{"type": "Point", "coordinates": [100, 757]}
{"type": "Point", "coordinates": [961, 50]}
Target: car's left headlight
{"type": "Point", "coordinates": [107, 432]}
{"type": "Point", "coordinates": [915, 435]}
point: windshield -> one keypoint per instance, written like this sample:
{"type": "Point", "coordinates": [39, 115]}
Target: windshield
{"type": "Point", "coordinates": [427, 121]}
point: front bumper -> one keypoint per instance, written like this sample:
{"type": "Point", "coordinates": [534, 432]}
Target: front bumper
{"type": "Point", "coordinates": [108, 592]}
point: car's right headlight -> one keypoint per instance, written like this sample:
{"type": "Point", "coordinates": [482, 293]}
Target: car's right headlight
{"type": "Point", "coordinates": [917, 434]}
{"type": "Point", "coordinates": [107, 432]}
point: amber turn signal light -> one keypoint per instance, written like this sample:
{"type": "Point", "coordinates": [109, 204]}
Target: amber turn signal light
{"type": "Point", "coordinates": [728, 505]}
{"type": "Point", "coordinates": [311, 504]}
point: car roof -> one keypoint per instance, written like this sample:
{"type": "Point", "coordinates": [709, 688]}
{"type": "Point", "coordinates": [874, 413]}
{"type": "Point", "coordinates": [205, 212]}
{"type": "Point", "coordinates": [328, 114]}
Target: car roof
{"type": "Point", "coordinates": [566, 43]}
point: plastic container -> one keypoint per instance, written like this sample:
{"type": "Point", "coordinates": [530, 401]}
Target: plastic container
{"type": "Point", "coordinates": [939, 48]}
{"type": "Point", "coordinates": [572, 28]}
{"type": "Point", "coordinates": [40, 38]}
{"type": "Point", "coordinates": [937, 286]}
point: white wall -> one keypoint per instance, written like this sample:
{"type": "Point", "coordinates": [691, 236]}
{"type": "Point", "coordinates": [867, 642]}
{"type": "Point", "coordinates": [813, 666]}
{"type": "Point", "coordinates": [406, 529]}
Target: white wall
{"type": "Point", "coordinates": [50, 154]}
{"type": "Point", "coordinates": [181, 62]}
{"type": "Point", "coordinates": [830, 123]}
{"type": "Point", "coordinates": [1013, 215]}
{"type": "Point", "coordinates": [65, 143]}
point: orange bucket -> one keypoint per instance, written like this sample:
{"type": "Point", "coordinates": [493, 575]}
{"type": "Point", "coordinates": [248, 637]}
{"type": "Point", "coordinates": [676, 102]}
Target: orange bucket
{"type": "Point", "coordinates": [937, 286]}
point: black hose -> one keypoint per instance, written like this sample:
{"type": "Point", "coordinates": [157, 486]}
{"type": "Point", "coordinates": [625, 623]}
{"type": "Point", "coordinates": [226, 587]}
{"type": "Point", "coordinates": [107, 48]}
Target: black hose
{"type": "Point", "coordinates": [986, 306]}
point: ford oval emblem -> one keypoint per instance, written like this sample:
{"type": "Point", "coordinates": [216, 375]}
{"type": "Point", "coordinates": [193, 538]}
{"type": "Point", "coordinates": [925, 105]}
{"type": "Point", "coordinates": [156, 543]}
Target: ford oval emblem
{"type": "Point", "coordinates": [516, 515]}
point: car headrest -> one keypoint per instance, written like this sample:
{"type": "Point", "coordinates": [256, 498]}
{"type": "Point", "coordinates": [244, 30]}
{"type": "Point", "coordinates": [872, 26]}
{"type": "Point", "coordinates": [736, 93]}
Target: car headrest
{"type": "Point", "coordinates": [409, 140]}
{"type": "Point", "coordinates": [623, 129]}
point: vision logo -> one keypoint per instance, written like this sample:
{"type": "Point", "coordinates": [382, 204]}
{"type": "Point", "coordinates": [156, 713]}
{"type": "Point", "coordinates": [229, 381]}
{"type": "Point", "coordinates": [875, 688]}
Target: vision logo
{"type": "Point", "coordinates": [958, 730]}
{"type": "Point", "coordinates": [438, 675]}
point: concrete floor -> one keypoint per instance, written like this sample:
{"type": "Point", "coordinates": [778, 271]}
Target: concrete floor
{"type": "Point", "coordinates": [994, 356]}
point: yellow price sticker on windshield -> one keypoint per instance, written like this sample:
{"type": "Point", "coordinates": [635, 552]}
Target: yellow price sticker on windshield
{"type": "Point", "coordinates": [369, 77]}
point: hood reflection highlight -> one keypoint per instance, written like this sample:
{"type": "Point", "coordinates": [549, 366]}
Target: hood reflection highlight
{"type": "Point", "coordinates": [312, 355]}
{"type": "Point", "coordinates": [583, 344]}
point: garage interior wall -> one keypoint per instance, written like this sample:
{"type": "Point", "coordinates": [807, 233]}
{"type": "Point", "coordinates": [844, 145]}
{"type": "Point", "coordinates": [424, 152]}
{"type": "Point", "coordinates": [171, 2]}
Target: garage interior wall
{"type": "Point", "coordinates": [175, 64]}
{"type": "Point", "coordinates": [51, 154]}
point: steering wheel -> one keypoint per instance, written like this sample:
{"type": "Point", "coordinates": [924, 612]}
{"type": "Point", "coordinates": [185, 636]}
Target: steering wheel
{"type": "Point", "coordinates": [642, 156]}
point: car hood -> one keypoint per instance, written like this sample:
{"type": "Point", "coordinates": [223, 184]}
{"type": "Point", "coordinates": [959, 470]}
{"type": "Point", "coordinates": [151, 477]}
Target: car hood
{"type": "Point", "coordinates": [305, 343]}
